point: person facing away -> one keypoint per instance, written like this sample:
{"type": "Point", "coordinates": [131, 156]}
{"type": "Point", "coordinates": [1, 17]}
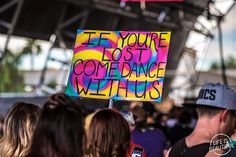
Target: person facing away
{"type": "Point", "coordinates": [135, 149]}
{"type": "Point", "coordinates": [181, 128]}
{"type": "Point", "coordinates": [152, 139]}
{"type": "Point", "coordinates": [59, 132]}
{"type": "Point", "coordinates": [215, 108]}
{"type": "Point", "coordinates": [18, 129]}
{"type": "Point", "coordinates": [108, 135]}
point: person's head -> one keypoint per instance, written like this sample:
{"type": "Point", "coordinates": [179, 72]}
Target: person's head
{"type": "Point", "coordinates": [18, 130]}
{"type": "Point", "coordinates": [1, 125]}
{"type": "Point", "coordinates": [217, 105]}
{"type": "Point", "coordinates": [59, 132]}
{"type": "Point", "coordinates": [149, 108]}
{"type": "Point", "coordinates": [223, 120]}
{"type": "Point", "coordinates": [185, 118]}
{"type": "Point", "coordinates": [130, 118]}
{"type": "Point", "coordinates": [133, 104]}
{"type": "Point", "coordinates": [108, 135]}
{"type": "Point", "coordinates": [140, 114]}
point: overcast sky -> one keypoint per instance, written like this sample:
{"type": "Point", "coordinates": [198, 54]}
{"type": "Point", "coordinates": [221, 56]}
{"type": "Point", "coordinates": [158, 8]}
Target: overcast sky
{"type": "Point", "coordinates": [229, 42]}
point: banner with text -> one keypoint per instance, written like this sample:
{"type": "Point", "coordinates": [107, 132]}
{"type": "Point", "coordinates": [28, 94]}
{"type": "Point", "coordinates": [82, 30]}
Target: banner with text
{"type": "Point", "coordinates": [119, 65]}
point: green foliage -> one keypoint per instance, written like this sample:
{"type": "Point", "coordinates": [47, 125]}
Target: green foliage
{"type": "Point", "coordinates": [52, 84]}
{"type": "Point", "coordinates": [215, 66]}
{"type": "Point", "coordinates": [11, 77]}
{"type": "Point", "coordinates": [230, 63]}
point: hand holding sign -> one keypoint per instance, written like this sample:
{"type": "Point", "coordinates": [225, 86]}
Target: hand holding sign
{"type": "Point", "coordinates": [119, 65]}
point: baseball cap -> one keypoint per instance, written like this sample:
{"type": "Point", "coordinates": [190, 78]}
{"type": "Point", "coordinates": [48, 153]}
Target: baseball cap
{"type": "Point", "coordinates": [217, 95]}
{"type": "Point", "coordinates": [129, 117]}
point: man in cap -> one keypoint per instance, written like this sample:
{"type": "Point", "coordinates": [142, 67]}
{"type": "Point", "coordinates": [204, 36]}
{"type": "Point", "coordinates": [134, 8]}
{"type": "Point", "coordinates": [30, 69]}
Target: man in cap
{"type": "Point", "coordinates": [216, 120]}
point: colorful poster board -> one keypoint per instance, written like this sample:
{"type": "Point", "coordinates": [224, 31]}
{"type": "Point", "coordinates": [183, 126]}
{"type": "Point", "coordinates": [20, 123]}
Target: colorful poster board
{"type": "Point", "coordinates": [119, 65]}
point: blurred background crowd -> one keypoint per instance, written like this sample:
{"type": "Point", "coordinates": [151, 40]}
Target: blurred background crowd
{"type": "Point", "coordinates": [60, 127]}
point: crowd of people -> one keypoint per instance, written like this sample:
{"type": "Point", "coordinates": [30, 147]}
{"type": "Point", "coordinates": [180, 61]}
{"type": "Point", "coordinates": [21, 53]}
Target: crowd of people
{"type": "Point", "coordinates": [62, 129]}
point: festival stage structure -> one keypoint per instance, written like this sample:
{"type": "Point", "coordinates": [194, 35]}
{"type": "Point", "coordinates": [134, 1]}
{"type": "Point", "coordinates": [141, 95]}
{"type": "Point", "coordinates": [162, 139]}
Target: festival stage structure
{"type": "Point", "coordinates": [57, 21]}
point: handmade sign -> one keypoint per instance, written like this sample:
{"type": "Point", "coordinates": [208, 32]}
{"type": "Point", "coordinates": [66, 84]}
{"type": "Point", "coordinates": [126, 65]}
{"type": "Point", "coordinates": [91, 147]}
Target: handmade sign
{"type": "Point", "coordinates": [119, 65]}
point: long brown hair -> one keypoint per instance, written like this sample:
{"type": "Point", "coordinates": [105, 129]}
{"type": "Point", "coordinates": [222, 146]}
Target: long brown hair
{"type": "Point", "coordinates": [59, 132]}
{"type": "Point", "coordinates": [18, 130]}
{"type": "Point", "coordinates": [108, 135]}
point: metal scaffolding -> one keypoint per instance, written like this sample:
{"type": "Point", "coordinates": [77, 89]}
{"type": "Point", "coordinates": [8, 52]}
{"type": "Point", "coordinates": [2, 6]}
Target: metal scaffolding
{"type": "Point", "coordinates": [177, 17]}
{"type": "Point", "coordinates": [10, 26]}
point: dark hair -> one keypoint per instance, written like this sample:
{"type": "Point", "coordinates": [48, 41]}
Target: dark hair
{"type": "Point", "coordinates": [18, 129]}
{"type": "Point", "coordinates": [60, 131]}
{"type": "Point", "coordinates": [207, 111]}
{"type": "Point", "coordinates": [1, 125]}
{"type": "Point", "coordinates": [108, 135]}
{"type": "Point", "coordinates": [185, 117]}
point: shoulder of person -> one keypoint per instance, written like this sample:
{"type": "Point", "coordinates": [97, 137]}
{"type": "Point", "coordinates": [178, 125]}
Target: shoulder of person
{"type": "Point", "coordinates": [211, 154]}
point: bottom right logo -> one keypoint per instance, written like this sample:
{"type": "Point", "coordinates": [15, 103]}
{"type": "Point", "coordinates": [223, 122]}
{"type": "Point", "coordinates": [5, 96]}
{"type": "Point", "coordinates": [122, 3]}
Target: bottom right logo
{"type": "Point", "coordinates": [221, 144]}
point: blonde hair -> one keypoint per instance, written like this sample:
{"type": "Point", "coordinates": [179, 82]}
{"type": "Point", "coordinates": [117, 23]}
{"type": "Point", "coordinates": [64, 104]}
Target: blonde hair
{"type": "Point", "coordinates": [18, 130]}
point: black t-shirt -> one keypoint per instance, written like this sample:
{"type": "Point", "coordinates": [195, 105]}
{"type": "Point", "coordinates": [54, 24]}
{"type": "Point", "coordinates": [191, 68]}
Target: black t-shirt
{"type": "Point", "coordinates": [178, 132]}
{"type": "Point", "coordinates": [232, 153]}
{"type": "Point", "coordinates": [180, 149]}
